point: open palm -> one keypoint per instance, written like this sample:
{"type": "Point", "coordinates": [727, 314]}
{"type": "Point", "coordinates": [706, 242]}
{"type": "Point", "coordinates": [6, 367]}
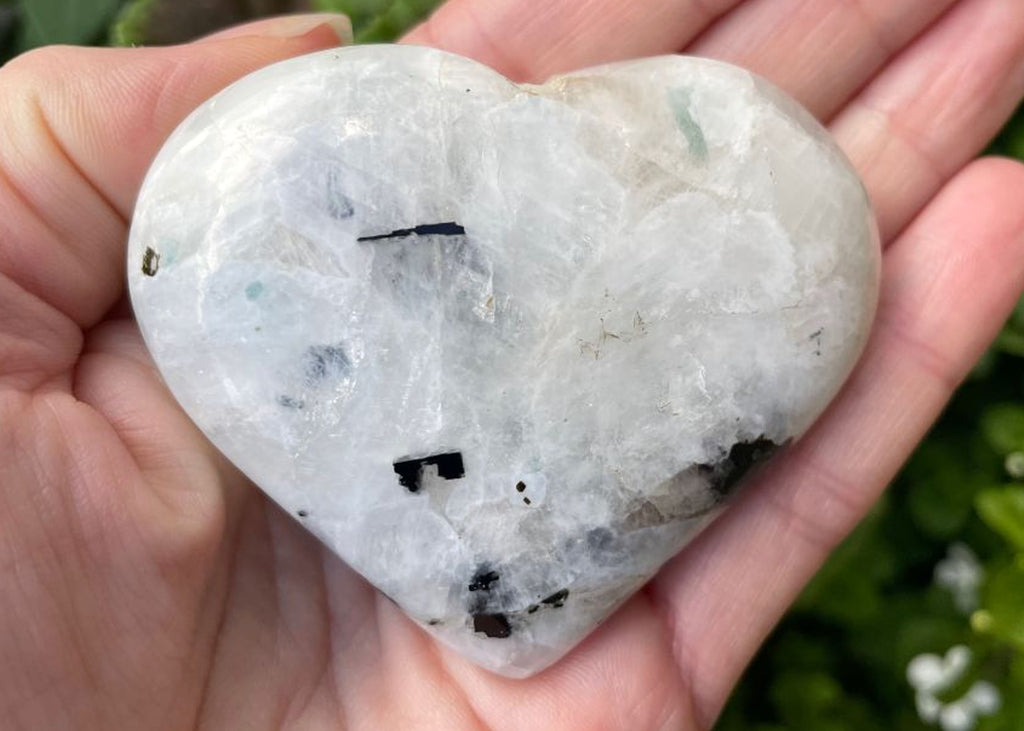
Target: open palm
{"type": "Point", "coordinates": [145, 584]}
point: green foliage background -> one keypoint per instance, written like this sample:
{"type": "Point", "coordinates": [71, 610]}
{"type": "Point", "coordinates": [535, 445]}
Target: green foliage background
{"type": "Point", "coordinates": [838, 660]}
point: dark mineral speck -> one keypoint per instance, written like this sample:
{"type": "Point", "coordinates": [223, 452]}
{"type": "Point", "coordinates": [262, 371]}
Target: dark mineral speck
{"type": "Point", "coordinates": [150, 262]}
{"type": "Point", "coordinates": [816, 339]}
{"type": "Point", "coordinates": [448, 228]}
{"type": "Point", "coordinates": [289, 402]}
{"type": "Point", "coordinates": [323, 362]}
{"type": "Point", "coordinates": [556, 600]}
{"type": "Point", "coordinates": [599, 539]}
{"type": "Point", "coordinates": [339, 206]}
{"type": "Point", "coordinates": [410, 471]}
{"type": "Point", "coordinates": [483, 579]}
{"type": "Point", "coordinates": [492, 625]}
{"type": "Point", "coordinates": [743, 456]}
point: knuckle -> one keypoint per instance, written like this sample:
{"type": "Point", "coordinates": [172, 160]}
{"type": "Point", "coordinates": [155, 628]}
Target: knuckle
{"type": "Point", "coordinates": [27, 80]}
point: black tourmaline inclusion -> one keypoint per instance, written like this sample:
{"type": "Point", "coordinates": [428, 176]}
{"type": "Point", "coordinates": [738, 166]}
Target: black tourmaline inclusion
{"type": "Point", "coordinates": [410, 471]}
{"type": "Point", "coordinates": [482, 580]}
{"type": "Point", "coordinates": [556, 600]}
{"type": "Point", "coordinates": [742, 457]}
{"type": "Point", "coordinates": [492, 625]}
{"type": "Point", "coordinates": [448, 228]}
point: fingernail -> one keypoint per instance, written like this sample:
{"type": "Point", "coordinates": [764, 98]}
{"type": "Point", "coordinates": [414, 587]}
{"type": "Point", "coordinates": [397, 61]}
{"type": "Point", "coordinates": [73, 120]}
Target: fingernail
{"type": "Point", "coordinates": [296, 26]}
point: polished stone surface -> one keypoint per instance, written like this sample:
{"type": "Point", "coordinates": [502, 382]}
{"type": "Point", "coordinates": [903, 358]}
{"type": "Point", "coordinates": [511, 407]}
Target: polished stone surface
{"type": "Point", "coordinates": [505, 349]}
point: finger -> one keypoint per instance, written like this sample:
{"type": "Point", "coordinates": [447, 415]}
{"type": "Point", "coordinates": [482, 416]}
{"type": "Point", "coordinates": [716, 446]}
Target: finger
{"type": "Point", "coordinates": [529, 41]}
{"type": "Point", "coordinates": [32, 334]}
{"type": "Point", "coordinates": [117, 377]}
{"type": "Point", "coordinates": [935, 107]}
{"type": "Point", "coordinates": [821, 52]}
{"type": "Point", "coordinates": [287, 26]}
{"type": "Point", "coordinates": [80, 128]}
{"type": "Point", "coordinates": [620, 677]}
{"type": "Point", "coordinates": [948, 284]}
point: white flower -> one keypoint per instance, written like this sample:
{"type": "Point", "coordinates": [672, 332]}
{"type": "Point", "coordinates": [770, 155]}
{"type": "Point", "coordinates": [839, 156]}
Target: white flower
{"type": "Point", "coordinates": [933, 674]}
{"type": "Point", "coordinates": [926, 673]}
{"type": "Point", "coordinates": [1014, 465]}
{"type": "Point", "coordinates": [930, 675]}
{"type": "Point", "coordinates": [928, 707]}
{"type": "Point", "coordinates": [962, 574]}
{"type": "Point", "coordinates": [957, 716]}
{"type": "Point", "coordinates": [985, 697]}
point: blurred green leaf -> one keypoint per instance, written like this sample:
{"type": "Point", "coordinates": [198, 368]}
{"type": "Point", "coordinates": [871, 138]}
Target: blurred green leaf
{"type": "Point", "coordinates": [1011, 342]}
{"type": "Point", "coordinates": [848, 587]}
{"type": "Point", "coordinates": [1004, 605]}
{"type": "Point", "coordinates": [130, 27]}
{"type": "Point", "coordinates": [1011, 339]}
{"type": "Point", "coordinates": [1016, 319]}
{"type": "Point", "coordinates": [64, 21]}
{"type": "Point", "coordinates": [392, 20]}
{"type": "Point", "coordinates": [159, 22]}
{"type": "Point", "coordinates": [942, 507]}
{"type": "Point", "coordinates": [1011, 715]}
{"type": "Point", "coordinates": [1003, 426]}
{"type": "Point", "coordinates": [735, 720]}
{"type": "Point", "coordinates": [1002, 509]}
{"type": "Point", "coordinates": [162, 22]}
{"type": "Point", "coordinates": [941, 488]}
{"type": "Point", "coordinates": [985, 365]}
{"type": "Point", "coordinates": [1011, 140]}
{"type": "Point", "coordinates": [906, 628]}
{"type": "Point", "coordinates": [360, 12]}
{"type": "Point", "coordinates": [9, 16]}
{"type": "Point", "coordinates": [816, 700]}
{"type": "Point", "coordinates": [802, 697]}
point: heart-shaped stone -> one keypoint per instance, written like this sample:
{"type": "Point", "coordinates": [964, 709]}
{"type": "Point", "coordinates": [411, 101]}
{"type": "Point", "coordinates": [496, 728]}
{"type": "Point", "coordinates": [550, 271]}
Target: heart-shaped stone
{"type": "Point", "coordinates": [505, 349]}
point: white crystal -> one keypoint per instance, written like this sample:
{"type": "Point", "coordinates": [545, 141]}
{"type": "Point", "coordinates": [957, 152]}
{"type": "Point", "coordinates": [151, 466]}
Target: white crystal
{"type": "Point", "coordinates": [662, 259]}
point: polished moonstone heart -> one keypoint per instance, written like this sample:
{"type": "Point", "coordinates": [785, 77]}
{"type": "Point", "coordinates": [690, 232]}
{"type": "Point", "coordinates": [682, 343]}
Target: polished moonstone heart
{"type": "Point", "coordinates": [505, 349]}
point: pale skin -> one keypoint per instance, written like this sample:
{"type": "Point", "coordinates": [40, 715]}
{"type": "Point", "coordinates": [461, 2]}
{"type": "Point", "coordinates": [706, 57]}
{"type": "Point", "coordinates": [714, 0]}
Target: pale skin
{"type": "Point", "coordinates": [145, 584]}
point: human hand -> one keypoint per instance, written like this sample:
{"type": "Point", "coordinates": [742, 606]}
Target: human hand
{"type": "Point", "coordinates": [145, 584]}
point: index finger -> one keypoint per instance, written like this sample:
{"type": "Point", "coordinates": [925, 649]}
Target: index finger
{"type": "Point", "coordinates": [529, 41]}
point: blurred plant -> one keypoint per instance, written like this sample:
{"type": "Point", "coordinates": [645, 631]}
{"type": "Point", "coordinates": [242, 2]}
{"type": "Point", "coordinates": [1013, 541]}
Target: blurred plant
{"type": "Point", "coordinates": [375, 21]}
{"type": "Point", "coordinates": [9, 17]}
{"type": "Point", "coordinates": [155, 22]}
{"type": "Point", "coordinates": [932, 676]}
{"type": "Point", "coordinates": [867, 644]}
{"type": "Point", "coordinates": [162, 22]}
{"type": "Point", "coordinates": [25, 24]}
{"type": "Point", "coordinates": [43, 22]}
{"type": "Point", "coordinates": [962, 575]}
{"type": "Point", "coordinates": [863, 647]}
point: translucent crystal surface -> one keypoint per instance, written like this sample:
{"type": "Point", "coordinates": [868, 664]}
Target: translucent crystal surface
{"type": "Point", "coordinates": [505, 349]}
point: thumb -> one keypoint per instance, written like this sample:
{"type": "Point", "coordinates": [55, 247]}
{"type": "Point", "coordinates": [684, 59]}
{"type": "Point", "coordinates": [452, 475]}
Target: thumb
{"type": "Point", "coordinates": [112, 108]}
{"type": "Point", "coordinates": [287, 26]}
{"type": "Point", "coordinates": [82, 125]}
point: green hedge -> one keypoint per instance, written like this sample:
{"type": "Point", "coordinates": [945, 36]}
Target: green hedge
{"type": "Point", "coordinates": [954, 518]}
